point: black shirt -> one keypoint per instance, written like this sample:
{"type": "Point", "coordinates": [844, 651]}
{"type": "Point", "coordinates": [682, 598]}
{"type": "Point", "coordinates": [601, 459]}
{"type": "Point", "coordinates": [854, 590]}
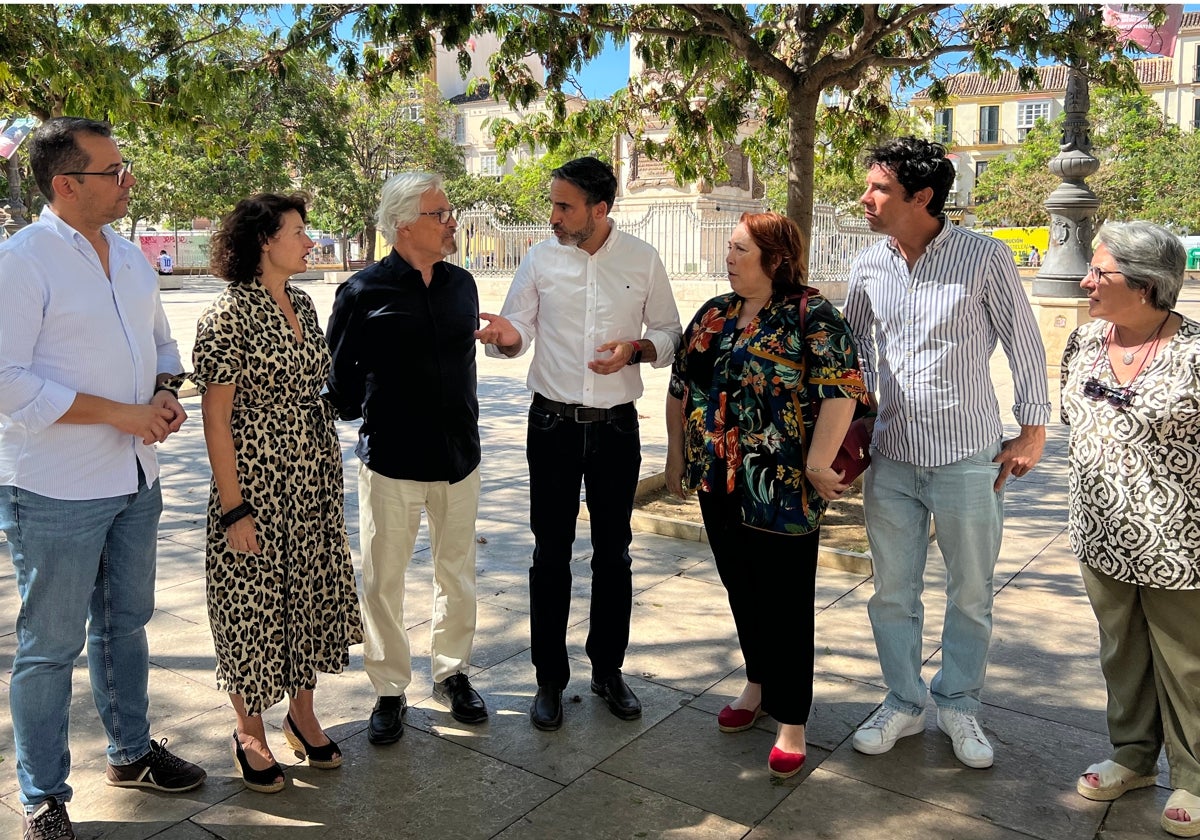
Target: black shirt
{"type": "Point", "coordinates": [404, 361]}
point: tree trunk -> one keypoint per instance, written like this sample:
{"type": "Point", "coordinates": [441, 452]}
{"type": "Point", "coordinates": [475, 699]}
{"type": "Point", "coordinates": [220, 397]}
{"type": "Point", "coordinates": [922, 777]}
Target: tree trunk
{"type": "Point", "coordinates": [369, 243]}
{"type": "Point", "coordinates": [802, 145]}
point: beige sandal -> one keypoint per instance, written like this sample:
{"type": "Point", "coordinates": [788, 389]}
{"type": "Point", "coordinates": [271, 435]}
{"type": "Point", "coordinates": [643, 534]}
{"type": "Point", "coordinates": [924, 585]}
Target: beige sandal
{"type": "Point", "coordinates": [1114, 780]}
{"type": "Point", "coordinates": [1187, 802]}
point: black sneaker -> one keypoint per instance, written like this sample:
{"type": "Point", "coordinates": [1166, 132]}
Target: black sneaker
{"type": "Point", "coordinates": [157, 769]}
{"type": "Point", "coordinates": [49, 821]}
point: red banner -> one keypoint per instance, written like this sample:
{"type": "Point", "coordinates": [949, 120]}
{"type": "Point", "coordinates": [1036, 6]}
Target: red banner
{"type": "Point", "coordinates": [1132, 21]}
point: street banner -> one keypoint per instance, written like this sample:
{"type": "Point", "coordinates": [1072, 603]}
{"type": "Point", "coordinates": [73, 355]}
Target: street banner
{"type": "Point", "coordinates": [1132, 21]}
{"type": "Point", "coordinates": [12, 137]}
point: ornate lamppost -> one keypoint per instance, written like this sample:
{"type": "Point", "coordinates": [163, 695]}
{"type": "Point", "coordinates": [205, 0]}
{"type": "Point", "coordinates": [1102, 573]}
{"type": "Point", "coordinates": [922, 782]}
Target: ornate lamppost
{"type": "Point", "coordinates": [1072, 206]}
{"type": "Point", "coordinates": [1059, 302]}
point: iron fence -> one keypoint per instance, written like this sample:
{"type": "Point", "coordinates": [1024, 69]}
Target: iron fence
{"type": "Point", "coordinates": [691, 243]}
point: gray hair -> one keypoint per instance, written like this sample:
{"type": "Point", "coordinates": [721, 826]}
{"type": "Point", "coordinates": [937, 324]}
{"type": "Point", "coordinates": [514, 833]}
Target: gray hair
{"type": "Point", "coordinates": [1151, 258]}
{"type": "Point", "coordinates": [400, 201]}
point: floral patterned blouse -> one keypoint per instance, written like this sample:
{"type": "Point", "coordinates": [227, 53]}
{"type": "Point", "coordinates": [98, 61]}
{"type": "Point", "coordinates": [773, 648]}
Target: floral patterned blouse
{"type": "Point", "coordinates": [750, 402]}
{"type": "Point", "coordinates": [1134, 480]}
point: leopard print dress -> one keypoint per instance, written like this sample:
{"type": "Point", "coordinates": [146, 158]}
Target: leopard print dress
{"type": "Point", "coordinates": [281, 616]}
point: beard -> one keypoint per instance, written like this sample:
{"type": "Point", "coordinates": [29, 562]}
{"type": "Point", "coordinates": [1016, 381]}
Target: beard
{"type": "Point", "coordinates": [575, 237]}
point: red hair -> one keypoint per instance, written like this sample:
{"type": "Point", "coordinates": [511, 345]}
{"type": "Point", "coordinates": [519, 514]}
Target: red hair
{"type": "Point", "coordinates": [782, 246]}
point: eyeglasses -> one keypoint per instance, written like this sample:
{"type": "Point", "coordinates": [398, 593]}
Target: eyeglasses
{"type": "Point", "coordinates": [1099, 273]}
{"type": "Point", "coordinates": [443, 216]}
{"type": "Point", "coordinates": [121, 174]}
{"type": "Point", "coordinates": [1120, 398]}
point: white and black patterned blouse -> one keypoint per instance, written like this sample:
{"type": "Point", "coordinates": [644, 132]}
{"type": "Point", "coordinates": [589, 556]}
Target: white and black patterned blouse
{"type": "Point", "coordinates": [1135, 470]}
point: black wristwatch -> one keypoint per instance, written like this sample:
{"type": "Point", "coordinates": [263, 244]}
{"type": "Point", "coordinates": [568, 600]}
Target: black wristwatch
{"type": "Point", "coordinates": [636, 356]}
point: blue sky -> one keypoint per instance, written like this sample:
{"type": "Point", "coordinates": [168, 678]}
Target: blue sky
{"type": "Point", "coordinates": [607, 73]}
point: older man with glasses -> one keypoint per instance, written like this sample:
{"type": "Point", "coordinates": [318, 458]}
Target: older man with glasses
{"type": "Point", "coordinates": [402, 334]}
{"type": "Point", "coordinates": [87, 386]}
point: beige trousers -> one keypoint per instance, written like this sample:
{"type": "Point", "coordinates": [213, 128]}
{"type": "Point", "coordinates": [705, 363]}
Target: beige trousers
{"type": "Point", "coordinates": [1150, 656]}
{"type": "Point", "coordinates": [389, 517]}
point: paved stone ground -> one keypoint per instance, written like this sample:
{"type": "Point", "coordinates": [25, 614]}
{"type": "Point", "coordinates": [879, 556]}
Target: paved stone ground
{"type": "Point", "coordinates": [670, 774]}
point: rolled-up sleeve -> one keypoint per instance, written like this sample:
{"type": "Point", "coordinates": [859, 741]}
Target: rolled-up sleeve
{"type": "Point", "coordinates": [30, 400]}
{"type": "Point", "coordinates": [1014, 322]}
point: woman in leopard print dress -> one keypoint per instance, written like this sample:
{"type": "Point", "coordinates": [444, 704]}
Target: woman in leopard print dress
{"type": "Point", "coordinates": [281, 594]}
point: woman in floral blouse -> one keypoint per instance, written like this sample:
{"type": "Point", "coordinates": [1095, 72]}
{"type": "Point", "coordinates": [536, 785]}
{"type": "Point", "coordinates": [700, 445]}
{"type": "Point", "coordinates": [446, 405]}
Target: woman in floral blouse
{"type": "Point", "coordinates": [762, 392]}
{"type": "Point", "coordinates": [1131, 395]}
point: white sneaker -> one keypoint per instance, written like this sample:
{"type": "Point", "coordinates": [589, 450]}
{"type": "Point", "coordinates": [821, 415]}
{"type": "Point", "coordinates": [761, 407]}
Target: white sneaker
{"type": "Point", "coordinates": [971, 746]}
{"type": "Point", "coordinates": [885, 728]}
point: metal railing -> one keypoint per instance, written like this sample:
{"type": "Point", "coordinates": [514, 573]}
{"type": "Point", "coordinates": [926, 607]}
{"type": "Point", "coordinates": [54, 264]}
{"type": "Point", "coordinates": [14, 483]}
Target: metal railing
{"type": "Point", "coordinates": [691, 243]}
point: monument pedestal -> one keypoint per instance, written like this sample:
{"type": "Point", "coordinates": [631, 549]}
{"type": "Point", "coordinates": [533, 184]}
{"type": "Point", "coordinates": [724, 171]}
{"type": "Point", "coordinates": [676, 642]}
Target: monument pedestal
{"type": "Point", "coordinates": [1057, 319]}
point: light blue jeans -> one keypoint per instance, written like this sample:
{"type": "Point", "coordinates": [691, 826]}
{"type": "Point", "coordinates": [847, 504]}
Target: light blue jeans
{"type": "Point", "coordinates": [80, 564]}
{"type": "Point", "coordinates": [898, 499]}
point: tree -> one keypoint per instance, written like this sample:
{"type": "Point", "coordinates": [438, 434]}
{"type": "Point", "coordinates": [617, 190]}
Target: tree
{"type": "Point", "coordinates": [406, 127]}
{"type": "Point", "coordinates": [1011, 190]}
{"type": "Point", "coordinates": [1141, 159]}
{"type": "Point", "coordinates": [717, 72]}
{"type": "Point", "coordinates": [281, 135]}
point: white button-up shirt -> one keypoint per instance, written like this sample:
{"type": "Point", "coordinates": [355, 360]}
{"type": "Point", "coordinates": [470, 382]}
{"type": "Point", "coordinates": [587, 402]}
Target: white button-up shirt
{"type": "Point", "coordinates": [572, 302]}
{"type": "Point", "coordinates": [66, 329]}
{"type": "Point", "coordinates": [925, 338]}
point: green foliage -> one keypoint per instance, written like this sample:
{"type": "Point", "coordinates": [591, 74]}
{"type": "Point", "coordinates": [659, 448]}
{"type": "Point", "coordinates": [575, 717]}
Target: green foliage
{"type": "Point", "coordinates": [1011, 190]}
{"type": "Point", "coordinates": [1142, 161]}
{"type": "Point", "coordinates": [407, 127]}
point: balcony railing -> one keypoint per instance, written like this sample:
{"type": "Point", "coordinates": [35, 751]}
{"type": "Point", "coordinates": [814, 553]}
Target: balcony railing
{"type": "Point", "coordinates": [992, 137]}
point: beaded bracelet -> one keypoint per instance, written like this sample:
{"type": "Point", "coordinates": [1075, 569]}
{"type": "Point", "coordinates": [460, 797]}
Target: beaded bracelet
{"type": "Point", "coordinates": [240, 512]}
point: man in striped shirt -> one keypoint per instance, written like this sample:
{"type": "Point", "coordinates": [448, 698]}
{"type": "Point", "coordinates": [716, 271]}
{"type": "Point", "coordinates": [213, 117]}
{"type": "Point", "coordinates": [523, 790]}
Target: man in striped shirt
{"type": "Point", "coordinates": [927, 306]}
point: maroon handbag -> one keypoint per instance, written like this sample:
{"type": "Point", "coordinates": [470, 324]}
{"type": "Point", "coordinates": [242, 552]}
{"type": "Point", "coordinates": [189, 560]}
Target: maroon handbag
{"type": "Point", "coordinates": [854, 455]}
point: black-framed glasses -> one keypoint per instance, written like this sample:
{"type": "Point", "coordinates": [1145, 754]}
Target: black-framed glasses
{"type": "Point", "coordinates": [120, 174]}
{"type": "Point", "coordinates": [1120, 398]}
{"type": "Point", "coordinates": [1099, 273]}
{"type": "Point", "coordinates": [443, 216]}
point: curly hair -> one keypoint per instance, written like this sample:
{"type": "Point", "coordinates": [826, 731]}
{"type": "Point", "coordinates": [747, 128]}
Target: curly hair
{"type": "Point", "coordinates": [782, 245]}
{"type": "Point", "coordinates": [917, 164]}
{"type": "Point", "coordinates": [236, 250]}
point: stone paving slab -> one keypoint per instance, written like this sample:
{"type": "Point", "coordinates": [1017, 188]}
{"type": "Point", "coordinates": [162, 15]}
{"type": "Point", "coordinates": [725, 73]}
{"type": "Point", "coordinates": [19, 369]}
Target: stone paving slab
{"type": "Point", "coordinates": [670, 774]}
{"type": "Point", "coordinates": [602, 807]}
{"type": "Point", "coordinates": [1029, 789]}
{"type": "Point", "coordinates": [832, 806]}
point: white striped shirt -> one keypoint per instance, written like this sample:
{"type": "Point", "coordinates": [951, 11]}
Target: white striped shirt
{"type": "Point", "coordinates": [65, 329]}
{"type": "Point", "coordinates": [925, 338]}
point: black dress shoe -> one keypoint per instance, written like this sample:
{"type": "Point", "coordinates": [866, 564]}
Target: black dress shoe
{"type": "Point", "coordinates": [466, 706]}
{"type": "Point", "coordinates": [621, 700]}
{"type": "Point", "coordinates": [546, 711]}
{"type": "Point", "coordinates": [387, 720]}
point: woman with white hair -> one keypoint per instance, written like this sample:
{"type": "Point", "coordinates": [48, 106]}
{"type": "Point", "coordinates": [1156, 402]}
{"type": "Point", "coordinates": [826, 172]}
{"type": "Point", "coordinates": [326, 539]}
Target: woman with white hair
{"type": "Point", "coordinates": [1131, 395]}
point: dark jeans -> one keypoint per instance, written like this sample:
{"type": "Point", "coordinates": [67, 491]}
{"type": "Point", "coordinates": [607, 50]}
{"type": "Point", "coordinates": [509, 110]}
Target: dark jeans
{"type": "Point", "coordinates": [771, 580]}
{"type": "Point", "coordinates": [606, 457]}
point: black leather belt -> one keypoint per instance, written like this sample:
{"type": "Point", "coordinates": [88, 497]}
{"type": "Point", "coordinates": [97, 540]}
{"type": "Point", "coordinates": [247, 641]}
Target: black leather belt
{"type": "Point", "coordinates": [583, 413]}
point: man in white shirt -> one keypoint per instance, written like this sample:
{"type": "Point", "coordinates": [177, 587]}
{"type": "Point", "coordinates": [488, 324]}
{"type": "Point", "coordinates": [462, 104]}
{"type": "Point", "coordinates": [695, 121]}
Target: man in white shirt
{"type": "Point", "coordinates": [928, 304]}
{"type": "Point", "coordinates": [87, 386]}
{"type": "Point", "coordinates": [585, 297]}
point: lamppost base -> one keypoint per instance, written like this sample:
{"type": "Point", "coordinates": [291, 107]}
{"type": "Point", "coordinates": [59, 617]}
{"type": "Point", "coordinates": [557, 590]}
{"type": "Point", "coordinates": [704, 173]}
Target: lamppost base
{"type": "Point", "coordinates": [1057, 318]}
